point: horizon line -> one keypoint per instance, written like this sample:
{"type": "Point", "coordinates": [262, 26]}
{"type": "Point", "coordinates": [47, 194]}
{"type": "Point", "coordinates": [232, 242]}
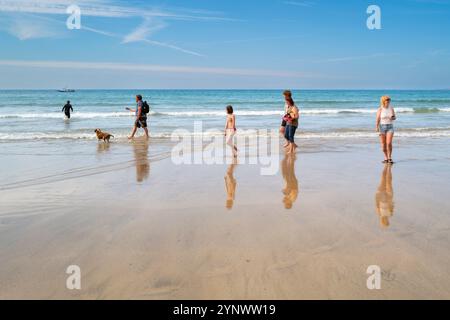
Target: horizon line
{"type": "Point", "coordinates": [229, 89]}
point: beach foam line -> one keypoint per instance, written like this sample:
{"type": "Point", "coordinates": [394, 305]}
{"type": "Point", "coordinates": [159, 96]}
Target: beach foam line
{"type": "Point", "coordinates": [406, 133]}
{"type": "Point", "coordinates": [212, 113]}
{"type": "Point", "coordinates": [60, 115]}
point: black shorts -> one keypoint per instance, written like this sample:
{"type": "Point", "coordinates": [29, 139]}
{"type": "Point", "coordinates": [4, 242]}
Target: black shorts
{"type": "Point", "coordinates": [141, 123]}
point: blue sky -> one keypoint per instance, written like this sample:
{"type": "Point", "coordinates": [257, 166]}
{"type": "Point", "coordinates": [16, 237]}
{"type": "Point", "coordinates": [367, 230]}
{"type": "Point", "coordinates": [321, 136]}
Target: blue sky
{"type": "Point", "coordinates": [225, 44]}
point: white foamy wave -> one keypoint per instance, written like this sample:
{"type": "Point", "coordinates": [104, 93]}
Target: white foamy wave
{"type": "Point", "coordinates": [356, 135]}
{"type": "Point", "coordinates": [317, 111]}
{"type": "Point", "coordinates": [58, 115]}
{"type": "Point", "coordinates": [46, 136]}
{"type": "Point", "coordinates": [221, 113]}
{"type": "Point", "coordinates": [410, 133]}
{"type": "Point", "coordinates": [268, 112]}
{"type": "Point", "coordinates": [211, 113]}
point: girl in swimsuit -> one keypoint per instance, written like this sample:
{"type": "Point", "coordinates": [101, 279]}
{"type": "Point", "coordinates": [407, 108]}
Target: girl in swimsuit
{"type": "Point", "coordinates": [230, 129]}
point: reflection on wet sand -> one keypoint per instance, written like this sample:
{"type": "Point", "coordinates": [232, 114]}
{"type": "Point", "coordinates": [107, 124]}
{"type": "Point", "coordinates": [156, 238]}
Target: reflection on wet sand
{"type": "Point", "coordinates": [291, 189]}
{"type": "Point", "coordinates": [384, 197]}
{"type": "Point", "coordinates": [230, 185]}
{"type": "Point", "coordinates": [103, 147]}
{"type": "Point", "coordinates": [141, 157]}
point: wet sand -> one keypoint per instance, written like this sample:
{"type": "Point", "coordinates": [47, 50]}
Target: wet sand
{"type": "Point", "coordinates": [141, 227]}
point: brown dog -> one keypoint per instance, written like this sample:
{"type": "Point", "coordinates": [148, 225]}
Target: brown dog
{"type": "Point", "coordinates": [103, 135]}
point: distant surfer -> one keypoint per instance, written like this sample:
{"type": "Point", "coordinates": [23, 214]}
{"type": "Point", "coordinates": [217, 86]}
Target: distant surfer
{"type": "Point", "coordinates": [67, 108]}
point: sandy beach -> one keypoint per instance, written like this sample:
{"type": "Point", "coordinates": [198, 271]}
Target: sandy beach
{"type": "Point", "coordinates": [141, 227]}
{"type": "Point", "coordinates": [174, 152]}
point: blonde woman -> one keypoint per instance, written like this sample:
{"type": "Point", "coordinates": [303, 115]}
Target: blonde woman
{"type": "Point", "coordinates": [385, 127]}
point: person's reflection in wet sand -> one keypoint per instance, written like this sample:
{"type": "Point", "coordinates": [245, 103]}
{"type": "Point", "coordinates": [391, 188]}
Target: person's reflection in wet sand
{"type": "Point", "coordinates": [291, 189]}
{"type": "Point", "coordinates": [230, 185]}
{"type": "Point", "coordinates": [141, 157]}
{"type": "Point", "coordinates": [384, 197]}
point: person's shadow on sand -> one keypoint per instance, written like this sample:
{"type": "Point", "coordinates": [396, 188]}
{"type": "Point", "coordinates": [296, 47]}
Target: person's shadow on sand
{"type": "Point", "coordinates": [140, 148]}
{"type": "Point", "coordinates": [230, 185]}
{"type": "Point", "coordinates": [291, 183]}
{"type": "Point", "coordinates": [384, 198]}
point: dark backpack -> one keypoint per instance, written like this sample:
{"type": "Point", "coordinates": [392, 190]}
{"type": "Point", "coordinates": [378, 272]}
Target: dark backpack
{"type": "Point", "coordinates": [145, 107]}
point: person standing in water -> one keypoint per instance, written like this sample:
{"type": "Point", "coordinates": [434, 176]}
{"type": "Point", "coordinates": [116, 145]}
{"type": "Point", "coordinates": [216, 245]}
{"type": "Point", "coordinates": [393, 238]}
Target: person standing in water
{"type": "Point", "coordinates": [66, 109]}
{"type": "Point", "coordinates": [385, 127]}
{"type": "Point", "coordinates": [287, 96]}
{"type": "Point", "coordinates": [141, 117]}
{"type": "Point", "coordinates": [230, 129]}
{"type": "Point", "coordinates": [291, 118]}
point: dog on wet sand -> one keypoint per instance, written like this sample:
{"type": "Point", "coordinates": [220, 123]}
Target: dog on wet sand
{"type": "Point", "coordinates": [103, 135]}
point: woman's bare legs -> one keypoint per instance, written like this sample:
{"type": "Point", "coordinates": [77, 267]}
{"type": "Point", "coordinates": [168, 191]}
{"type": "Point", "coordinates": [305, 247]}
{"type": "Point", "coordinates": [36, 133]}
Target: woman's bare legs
{"type": "Point", "coordinates": [384, 146]}
{"type": "Point", "coordinates": [290, 148]}
{"type": "Point", "coordinates": [282, 132]}
{"type": "Point", "coordinates": [230, 143]}
{"type": "Point", "coordinates": [389, 139]}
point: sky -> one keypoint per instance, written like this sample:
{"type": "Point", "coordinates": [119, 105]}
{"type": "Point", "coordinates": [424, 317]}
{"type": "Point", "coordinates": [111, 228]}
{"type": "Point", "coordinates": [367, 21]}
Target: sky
{"type": "Point", "coordinates": [226, 44]}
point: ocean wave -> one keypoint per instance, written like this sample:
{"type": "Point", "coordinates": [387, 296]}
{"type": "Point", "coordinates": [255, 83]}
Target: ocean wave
{"type": "Point", "coordinates": [213, 113]}
{"type": "Point", "coordinates": [59, 115]}
{"type": "Point", "coordinates": [409, 133]}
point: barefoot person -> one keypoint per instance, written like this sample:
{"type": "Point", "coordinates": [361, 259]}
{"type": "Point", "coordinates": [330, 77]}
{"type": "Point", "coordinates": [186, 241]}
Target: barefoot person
{"type": "Point", "coordinates": [230, 129]}
{"type": "Point", "coordinates": [291, 118]}
{"type": "Point", "coordinates": [287, 96]}
{"type": "Point", "coordinates": [66, 109]}
{"type": "Point", "coordinates": [141, 117]}
{"type": "Point", "coordinates": [385, 127]}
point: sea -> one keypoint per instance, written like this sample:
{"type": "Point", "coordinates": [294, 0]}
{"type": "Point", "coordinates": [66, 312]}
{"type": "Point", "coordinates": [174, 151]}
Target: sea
{"type": "Point", "coordinates": [28, 115]}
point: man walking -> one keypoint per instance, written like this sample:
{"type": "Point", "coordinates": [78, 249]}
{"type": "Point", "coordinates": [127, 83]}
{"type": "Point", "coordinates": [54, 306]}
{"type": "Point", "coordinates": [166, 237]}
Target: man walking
{"type": "Point", "coordinates": [141, 117]}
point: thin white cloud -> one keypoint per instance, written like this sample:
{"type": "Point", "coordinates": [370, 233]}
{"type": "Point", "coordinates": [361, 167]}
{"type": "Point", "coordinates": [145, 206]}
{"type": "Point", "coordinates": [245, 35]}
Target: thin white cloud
{"type": "Point", "coordinates": [356, 58]}
{"type": "Point", "coordinates": [173, 47]}
{"type": "Point", "coordinates": [90, 8]}
{"type": "Point", "coordinates": [145, 30]}
{"type": "Point", "coordinates": [153, 68]}
{"type": "Point", "coordinates": [137, 35]}
{"type": "Point", "coordinates": [249, 40]}
{"type": "Point", "coordinates": [141, 34]}
{"type": "Point", "coordinates": [439, 2]}
{"type": "Point", "coordinates": [154, 19]}
{"type": "Point", "coordinates": [299, 3]}
{"type": "Point", "coordinates": [101, 8]}
{"type": "Point", "coordinates": [24, 28]}
{"type": "Point", "coordinates": [437, 52]}
{"type": "Point", "coordinates": [94, 30]}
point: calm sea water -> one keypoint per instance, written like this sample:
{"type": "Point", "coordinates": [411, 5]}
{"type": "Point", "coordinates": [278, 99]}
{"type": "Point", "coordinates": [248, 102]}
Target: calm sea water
{"type": "Point", "coordinates": [31, 115]}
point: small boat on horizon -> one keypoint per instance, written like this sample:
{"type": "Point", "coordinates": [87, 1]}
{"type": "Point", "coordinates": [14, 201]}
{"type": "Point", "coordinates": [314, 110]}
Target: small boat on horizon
{"type": "Point", "coordinates": [66, 90]}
